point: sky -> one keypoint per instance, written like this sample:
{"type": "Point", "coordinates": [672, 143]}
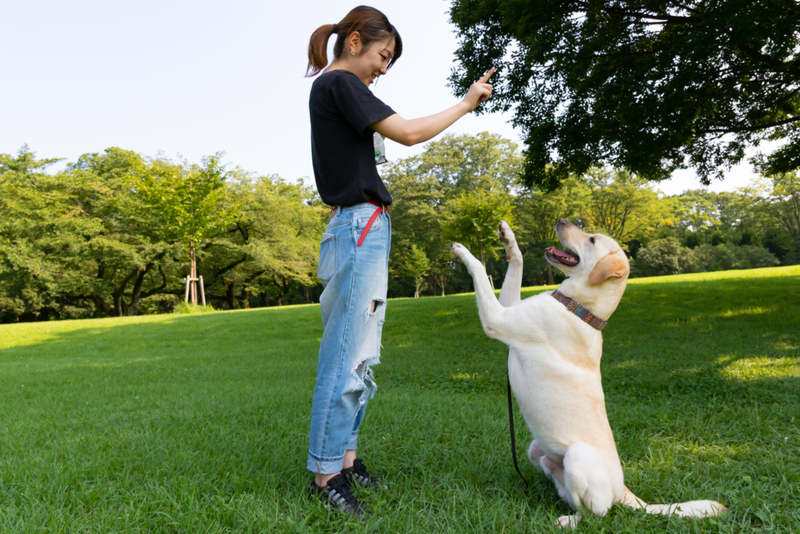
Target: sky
{"type": "Point", "coordinates": [186, 79]}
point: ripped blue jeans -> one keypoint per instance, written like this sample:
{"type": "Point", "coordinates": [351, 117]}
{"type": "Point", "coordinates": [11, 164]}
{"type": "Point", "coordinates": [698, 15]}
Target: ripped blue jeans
{"type": "Point", "coordinates": [353, 308]}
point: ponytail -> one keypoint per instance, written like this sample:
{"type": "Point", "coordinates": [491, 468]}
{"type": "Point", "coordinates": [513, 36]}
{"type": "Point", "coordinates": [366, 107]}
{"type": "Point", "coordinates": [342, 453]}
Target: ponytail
{"type": "Point", "coordinates": [371, 25]}
{"type": "Point", "coordinates": [318, 49]}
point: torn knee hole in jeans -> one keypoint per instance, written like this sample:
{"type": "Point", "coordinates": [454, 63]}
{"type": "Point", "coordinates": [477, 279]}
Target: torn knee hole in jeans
{"type": "Point", "coordinates": [373, 307]}
{"type": "Point", "coordinates": [363, 381]}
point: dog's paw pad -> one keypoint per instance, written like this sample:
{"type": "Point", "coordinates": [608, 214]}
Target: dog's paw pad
{"type": "Point", "coordinates": [509, 241]}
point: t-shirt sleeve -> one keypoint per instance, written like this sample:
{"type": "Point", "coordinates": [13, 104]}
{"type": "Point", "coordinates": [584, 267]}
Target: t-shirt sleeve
{"type": "Point", "coordinates": [357, 103]}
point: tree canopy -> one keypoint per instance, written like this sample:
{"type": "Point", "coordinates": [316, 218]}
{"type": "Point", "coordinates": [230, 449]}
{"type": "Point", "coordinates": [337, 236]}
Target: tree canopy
{"type": "Point", "coordinates": [111, 235]}
{"type": "Point", "coordinates": [645, 86]}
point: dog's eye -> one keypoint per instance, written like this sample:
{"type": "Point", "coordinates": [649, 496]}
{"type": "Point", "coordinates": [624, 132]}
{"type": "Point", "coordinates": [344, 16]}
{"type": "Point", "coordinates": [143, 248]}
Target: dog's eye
{"type": "Point", "coordinates": [592, 240]}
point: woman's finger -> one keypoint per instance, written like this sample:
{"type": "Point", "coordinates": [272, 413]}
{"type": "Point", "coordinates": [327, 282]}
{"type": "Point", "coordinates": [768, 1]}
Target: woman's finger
{"type": "Point", "coordinates": [485, 77]}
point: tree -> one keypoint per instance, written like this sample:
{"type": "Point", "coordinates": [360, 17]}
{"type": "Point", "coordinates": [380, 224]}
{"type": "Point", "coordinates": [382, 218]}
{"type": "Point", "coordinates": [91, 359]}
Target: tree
{"type": "Point", "coordinates": [780, 202]}
{"type": "Point", "coordinates": [42, 236]}
{"type": "Point", "coordinates": [783, 201]}
{"type": "Point", "coordinates": [622, 205]}
{"type": "Point", "coordinates": [718, 217]}
{"type": "Point", "coordinates": [76, 243]}
{"type": "Point", "coordinates": [416, 265]}
{"type": "Point", "coordinates": [472, 219]}
{"type": "Point", "coordinates": [272, 247]}
{"type": "Point", "coordinates": [662, 257]}
{"type": "Point", "coordinates": [189, 200]}
{"type": "Point", "coordinates": [469, 162]}
{"type": "Point", "coordinates": [649, 87]}
{"type": "Point", "coordinates": [697, 211]}
{"type": "Point", "coordinates": [130, 246]}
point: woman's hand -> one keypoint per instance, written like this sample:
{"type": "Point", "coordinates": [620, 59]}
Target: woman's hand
{"type": "Point", "coordinates": [411, 132]}
{"type": "Point", "coordinates": [479, 91]}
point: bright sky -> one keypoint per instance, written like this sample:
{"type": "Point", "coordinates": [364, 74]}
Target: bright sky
{"type": "Point", "coordinates": [191, 78]}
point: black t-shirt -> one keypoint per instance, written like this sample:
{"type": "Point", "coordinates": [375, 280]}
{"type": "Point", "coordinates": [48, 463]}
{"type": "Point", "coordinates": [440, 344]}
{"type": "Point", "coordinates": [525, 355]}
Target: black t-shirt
{"type": "Point", "coordinates": [342, 150]}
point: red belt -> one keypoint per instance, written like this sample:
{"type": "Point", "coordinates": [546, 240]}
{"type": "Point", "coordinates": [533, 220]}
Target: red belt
{"type": "Point", "coordinates": [375, 214]}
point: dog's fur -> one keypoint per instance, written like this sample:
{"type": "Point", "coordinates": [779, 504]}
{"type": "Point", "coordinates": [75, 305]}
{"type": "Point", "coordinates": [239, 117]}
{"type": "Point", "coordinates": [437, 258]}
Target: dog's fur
{"type": "Point", "coordinates": [554, 368]}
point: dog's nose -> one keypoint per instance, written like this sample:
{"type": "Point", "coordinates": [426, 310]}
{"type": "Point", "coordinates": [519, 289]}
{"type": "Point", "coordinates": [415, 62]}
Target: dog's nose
{"type": "Point", "coordinates": [562, 221]}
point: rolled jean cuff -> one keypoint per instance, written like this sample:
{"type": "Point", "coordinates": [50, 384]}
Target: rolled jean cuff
{"type": "Point", "coordinates": [328, 466]}
{"type": "Point", "coordinates": [353, 443]}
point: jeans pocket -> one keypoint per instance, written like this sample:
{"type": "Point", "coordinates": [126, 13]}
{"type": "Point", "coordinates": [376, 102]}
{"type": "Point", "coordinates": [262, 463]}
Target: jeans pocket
{"type": "Point", "coordinates": [361, 223]}
{"type": "Point", "coordinates": [328, 257]}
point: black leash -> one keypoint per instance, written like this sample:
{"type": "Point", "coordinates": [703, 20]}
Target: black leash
{"type": "Point", "coordinates": [513, 438]}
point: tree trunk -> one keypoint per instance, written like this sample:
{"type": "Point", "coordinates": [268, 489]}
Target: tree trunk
{"type": "Point", "coordinates": [192, 277]}
{"type": "Point", "coordinates": [116, 297]}
{"type": "Point", "coordinates": [232, 304]}
{"type": "Point", "coordinates": [136, 295]}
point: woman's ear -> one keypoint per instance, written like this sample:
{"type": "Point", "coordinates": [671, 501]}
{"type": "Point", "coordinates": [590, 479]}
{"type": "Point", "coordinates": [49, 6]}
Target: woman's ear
{"type": "Point", "coordinates": [354, 44]}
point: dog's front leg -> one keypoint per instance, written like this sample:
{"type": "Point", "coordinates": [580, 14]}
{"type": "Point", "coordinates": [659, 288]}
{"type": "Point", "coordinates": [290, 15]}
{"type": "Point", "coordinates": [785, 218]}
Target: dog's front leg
{"type": "Point", "coordinates": [492, 314]}
{"type": "Point", "coordinates": [512, 284]}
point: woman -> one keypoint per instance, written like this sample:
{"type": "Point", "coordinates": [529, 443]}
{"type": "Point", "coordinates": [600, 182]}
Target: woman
{"type": "Point", "coordinates": [346, 119]}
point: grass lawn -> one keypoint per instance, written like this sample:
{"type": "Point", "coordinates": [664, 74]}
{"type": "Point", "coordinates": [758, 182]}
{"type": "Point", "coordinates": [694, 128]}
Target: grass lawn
{"type": "Point", "coordinates": [199, 423]}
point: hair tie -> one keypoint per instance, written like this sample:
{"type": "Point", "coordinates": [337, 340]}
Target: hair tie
{"type": "Point", "coordinates": [335, 29]}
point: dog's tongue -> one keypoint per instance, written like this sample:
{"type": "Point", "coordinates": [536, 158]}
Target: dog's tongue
{"type": "Point", "coordinates": [562, 255]}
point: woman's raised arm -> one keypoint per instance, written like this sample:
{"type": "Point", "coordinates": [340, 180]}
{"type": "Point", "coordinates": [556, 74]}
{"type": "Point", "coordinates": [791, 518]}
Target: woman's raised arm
{"type": "Point", "coordinates": [411, 132]}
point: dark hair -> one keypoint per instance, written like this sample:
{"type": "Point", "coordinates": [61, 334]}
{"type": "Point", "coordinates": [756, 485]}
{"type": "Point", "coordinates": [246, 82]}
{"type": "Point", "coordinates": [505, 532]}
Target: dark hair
{"type": "Point", "coordinates": [371, 25]}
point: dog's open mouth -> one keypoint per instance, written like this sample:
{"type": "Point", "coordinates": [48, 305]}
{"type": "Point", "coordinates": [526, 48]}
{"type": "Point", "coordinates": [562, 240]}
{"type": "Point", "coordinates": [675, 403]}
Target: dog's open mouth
{"type": "Point", "coordinates": [553, 255]}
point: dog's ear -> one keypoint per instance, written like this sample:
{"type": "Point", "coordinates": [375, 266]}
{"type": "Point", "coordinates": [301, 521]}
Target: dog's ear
{"type": "Point", "coordinates": [609, 266]}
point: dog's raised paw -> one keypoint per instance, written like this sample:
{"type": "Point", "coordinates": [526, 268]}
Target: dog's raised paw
{"type": "Point", "coordinates": [501, 231]}
{"type": "Point", "coordinates": [460, 251]}
{"type": "Point", "coordinates": [509, 241]}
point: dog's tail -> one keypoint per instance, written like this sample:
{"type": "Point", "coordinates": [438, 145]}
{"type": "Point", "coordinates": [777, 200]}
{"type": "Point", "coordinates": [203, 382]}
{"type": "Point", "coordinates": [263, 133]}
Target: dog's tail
{"type": "Point", "coordinates": [703, 508]}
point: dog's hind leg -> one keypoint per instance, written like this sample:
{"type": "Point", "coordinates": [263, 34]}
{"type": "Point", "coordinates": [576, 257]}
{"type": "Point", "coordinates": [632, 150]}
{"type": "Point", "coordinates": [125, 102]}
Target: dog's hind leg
{"type": "Point", "coordinates": [535, 455]}
{"type": "Point", "coordinates": [685, 509]}
{"type": "Point", "coordinates": [510, 294]}
{"type": "Point", "coordinates": [556, 473]}
{"type": "Point", "coordinates": [584, 482]}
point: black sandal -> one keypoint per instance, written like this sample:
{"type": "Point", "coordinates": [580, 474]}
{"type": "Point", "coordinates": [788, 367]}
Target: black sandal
{"type": "Point", "coordinates": [336, 494]}
{"type": "Point", "coordinates": [358, 475]}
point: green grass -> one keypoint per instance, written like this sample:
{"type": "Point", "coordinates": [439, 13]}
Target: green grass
{"type": "Point", "coordinates": [198, 423]}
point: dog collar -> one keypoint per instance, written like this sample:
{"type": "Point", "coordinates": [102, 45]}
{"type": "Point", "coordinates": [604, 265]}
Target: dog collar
{"type": "Point", "coordinates": [583, 314]}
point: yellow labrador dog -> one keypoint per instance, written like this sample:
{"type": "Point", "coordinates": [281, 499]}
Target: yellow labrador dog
{"type": "Point", "coordinates": [554, 367]}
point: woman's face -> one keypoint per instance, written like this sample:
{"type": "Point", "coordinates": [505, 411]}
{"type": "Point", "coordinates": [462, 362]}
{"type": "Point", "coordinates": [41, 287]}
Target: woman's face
{"type": "Point", "coordinates": [373, 61]}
